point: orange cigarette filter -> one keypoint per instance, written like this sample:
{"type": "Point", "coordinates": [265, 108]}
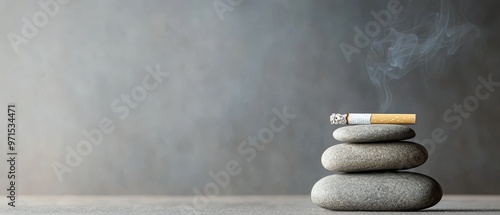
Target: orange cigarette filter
{"type": "Point", "coordinates": [404, 119]}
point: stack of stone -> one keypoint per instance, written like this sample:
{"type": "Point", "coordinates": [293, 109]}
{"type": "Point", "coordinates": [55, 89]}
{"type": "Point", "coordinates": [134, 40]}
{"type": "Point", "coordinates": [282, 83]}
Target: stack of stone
{"type": "Point", "coordinates": [370, 160]}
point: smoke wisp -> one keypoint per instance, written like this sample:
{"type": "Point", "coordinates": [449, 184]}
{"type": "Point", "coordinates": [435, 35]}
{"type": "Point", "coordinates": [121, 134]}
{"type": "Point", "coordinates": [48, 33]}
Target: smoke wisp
{"type": "Point", "coordinates": [434, 34]}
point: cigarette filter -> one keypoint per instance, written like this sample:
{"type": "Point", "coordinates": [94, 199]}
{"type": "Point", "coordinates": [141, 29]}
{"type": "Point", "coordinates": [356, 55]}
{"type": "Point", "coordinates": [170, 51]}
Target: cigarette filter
{"type": "Point", "coordinates": [372, 118]}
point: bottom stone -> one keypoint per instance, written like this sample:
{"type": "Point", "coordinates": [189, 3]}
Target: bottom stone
{"type": "Point", "coordinates": [376, 191]}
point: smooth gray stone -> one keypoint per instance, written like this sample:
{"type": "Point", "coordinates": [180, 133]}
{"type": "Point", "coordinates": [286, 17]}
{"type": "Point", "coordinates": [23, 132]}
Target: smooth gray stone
{"type": "Point", "coordinates": [377, 191]}
{"type": "Point", "coordinates": [373, 133]}
{"type": "Point", "coordinates": [355, 157]}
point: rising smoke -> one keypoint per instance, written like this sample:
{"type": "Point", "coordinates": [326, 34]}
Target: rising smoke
{"type": "Point", "coordinates": [435, 34]}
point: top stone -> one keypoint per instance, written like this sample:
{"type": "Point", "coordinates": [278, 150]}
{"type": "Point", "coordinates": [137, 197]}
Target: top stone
{"type": "Point", "coordinates": [373, 133]}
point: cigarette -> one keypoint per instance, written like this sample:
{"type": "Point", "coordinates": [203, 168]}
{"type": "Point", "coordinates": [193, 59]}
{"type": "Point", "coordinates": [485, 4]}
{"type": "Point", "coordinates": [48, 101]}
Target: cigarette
{"type": "Point", "coordinates": [373, 118]}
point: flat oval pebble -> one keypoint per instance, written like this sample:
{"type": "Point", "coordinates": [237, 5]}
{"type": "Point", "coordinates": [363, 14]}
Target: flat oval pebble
{"type": "Point", "coordinates": [379, 191]}
{"type": "Point", "coordinates": [373, 133]}
{"type": "Point", "coordinates": [355, 157]}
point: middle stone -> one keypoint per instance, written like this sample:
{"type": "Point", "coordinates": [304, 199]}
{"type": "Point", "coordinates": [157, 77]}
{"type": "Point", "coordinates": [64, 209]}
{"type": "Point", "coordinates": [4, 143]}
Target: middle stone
{"type": "Point", "coordinates": [356, 157]}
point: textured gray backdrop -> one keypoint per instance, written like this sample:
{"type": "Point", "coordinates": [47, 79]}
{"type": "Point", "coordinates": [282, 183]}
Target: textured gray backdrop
{"type": "Point", "coordinates": [230, 65]}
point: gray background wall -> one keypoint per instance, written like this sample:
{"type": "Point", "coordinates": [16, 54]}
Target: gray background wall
{"type": "Point", "coordinates": [226, 76]}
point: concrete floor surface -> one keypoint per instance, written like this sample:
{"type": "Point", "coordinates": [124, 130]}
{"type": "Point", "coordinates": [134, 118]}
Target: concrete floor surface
{"type": "Point", "coordinates": [450, 204]}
